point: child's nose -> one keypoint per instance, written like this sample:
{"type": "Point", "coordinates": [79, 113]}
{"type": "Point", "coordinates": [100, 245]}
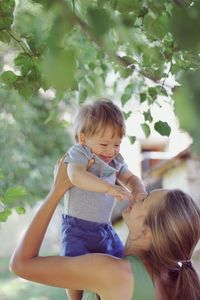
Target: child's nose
{"type": "Point", "coordinates": [111, 151]}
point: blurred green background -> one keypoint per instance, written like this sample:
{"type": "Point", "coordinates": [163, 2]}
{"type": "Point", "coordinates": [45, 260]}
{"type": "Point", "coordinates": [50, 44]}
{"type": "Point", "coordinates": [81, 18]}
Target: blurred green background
{"type": "Point", "coordinates": [54, 56]}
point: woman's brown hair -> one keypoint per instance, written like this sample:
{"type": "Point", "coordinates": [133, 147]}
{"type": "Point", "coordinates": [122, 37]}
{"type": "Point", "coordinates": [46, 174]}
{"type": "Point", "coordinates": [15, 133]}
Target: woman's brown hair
{"type": "Point", "coordinates": [175, 227]}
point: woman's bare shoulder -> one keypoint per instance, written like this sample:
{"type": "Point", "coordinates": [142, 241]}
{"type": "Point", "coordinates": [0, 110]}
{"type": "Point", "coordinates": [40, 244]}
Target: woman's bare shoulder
{"type": "Point", "coordinates": [118, 278]}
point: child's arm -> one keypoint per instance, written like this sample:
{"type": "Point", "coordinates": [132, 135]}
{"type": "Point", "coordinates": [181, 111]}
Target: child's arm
{"type": "Point", "coordinates": [134, 184]}
{"type": "Point", "coordinates": [85, 180]}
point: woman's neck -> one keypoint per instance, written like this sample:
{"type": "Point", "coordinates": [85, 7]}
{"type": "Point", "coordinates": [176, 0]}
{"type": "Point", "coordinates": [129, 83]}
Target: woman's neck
{"type": "Point", "coordinates": [128, 248]}
{"type": "Point", "coordinates": [134, 247]}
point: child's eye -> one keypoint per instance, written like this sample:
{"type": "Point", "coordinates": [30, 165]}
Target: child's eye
{"type": "Point", "coordinates": [104, 145]}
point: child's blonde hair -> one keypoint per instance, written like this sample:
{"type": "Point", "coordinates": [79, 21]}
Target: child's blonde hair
{"type": "Point", "coordinates": [96, 116]}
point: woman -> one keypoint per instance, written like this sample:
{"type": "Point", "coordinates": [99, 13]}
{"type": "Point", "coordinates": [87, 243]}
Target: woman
{"type": "Point", "coordinates": [163, 231]}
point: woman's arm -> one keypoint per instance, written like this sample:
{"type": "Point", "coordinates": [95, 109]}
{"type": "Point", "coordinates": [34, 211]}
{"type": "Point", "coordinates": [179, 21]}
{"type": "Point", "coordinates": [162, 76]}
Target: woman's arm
{"type": "Point", "coordinates": [29, 247]}
{"type": "Point", "coordinates": [66, 272]}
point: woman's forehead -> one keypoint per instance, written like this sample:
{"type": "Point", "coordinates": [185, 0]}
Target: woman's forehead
{"type": "Point", "coordinates": [158, 195]}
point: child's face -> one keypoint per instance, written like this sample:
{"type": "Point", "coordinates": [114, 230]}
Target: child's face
{"type": "Point", "coordinates": [105, 143]}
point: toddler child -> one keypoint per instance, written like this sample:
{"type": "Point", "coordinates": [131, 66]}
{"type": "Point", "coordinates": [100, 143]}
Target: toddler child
{"type": "Point", "coordinates": [86, 222]}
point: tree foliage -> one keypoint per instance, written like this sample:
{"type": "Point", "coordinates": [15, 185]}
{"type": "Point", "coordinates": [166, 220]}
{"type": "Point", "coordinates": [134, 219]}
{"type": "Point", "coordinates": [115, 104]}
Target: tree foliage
{"type": "Point", "coordinates": [70, 47]}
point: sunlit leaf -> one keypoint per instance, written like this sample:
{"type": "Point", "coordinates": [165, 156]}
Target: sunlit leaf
{"type": "Point", "coordinates": [20, 210]}
{"type": "Point", "coordinates": [4, 215]}
{"type": "Point", "coordinates": [14, 193]}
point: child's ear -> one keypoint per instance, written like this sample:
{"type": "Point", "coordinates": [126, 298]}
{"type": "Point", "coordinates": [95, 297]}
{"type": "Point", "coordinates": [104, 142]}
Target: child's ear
{"type": "Point", "coordinates": [81, 138]}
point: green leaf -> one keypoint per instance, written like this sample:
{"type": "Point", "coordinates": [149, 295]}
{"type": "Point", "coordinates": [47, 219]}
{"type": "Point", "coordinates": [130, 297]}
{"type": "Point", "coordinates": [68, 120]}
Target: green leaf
{"type": "Point", "coordinates": [4, 215]}
{"type": "Point", "coordinates": [148, 116]}
{"type": "Point", "coordinates": [6, 13]}
{"type": "Point", "coordinates": [128, 5]}
{"type": "Point", "coordinates": [185, 25]}
{"type": "Point", "coordinates": [146, 129]}
{"type": "Point", "coordinates": [20, 210]}
{"type": "Point", "coordinates": [100, 20]}
{"type": "Point", "coordinates": [83, 95]}
{"type": "Point", "coordinates": [163, 128]}
{"type": "Point", "coordinates": [22, 59]}
{"type": "Point", "coordinates": [25, 88]}
{"type": "Point", "coordinates": [4, 37]}
{"type": "Point", "coordinates": [132, 139]}
{"type": "Point", "coordinates": [153, 92]}
{"type": "Point", "coordinates": [186, 103]}
{"type": "Point", "coordinates": [8, 77]}
{"type": "Point", "coordinates": [127, 93]}
{"type": "Point", "coordinates": [59, 68]}
{"type": "Point", "coordinates": [127, 115]}
{"type": "Point", "coordinates": [163, 91]}
{"type": "Point", "coordinates": [128, 20]}
{"type": "Point", "coordinates": [126, 72]}
{"type": "Point", "coordinates": [168, 40]}
{"type": "Point", "coordinates": [143, 97]}
{"type": "Point", "coordinates": [14, 193]}
{"type": "Point", "coordinates": [157, 28]}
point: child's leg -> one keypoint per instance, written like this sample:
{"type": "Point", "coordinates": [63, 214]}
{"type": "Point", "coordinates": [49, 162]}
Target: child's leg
{"type": "Point", "coordinates": [74, 295]}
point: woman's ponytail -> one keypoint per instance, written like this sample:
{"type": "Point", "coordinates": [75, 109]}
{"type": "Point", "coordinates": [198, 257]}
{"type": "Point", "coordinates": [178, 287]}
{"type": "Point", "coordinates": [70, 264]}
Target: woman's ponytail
{"type": "Point", "coordinates": [185, 282]}
{"type": "Point", "coordinates": [175, 227]}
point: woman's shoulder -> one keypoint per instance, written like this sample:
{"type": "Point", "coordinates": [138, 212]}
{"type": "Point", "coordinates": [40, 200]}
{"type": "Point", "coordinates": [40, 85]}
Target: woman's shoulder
{"type": "Point", "coordinates": [121, 279]}
{"type": "Point", "coordinates": [141, 276]}
{"type": "Point", "coordinates": [116, 278]}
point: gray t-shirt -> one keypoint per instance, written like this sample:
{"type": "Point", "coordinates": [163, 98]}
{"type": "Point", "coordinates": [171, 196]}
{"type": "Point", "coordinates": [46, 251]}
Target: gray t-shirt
{"type": "Point", "coordinates": [86, 205]}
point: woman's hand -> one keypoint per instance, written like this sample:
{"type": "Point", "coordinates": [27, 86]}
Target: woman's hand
{"type": "Point", "coordinates": [61, 179]}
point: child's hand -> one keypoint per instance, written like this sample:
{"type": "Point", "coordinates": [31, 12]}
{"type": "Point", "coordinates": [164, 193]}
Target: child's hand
{"type": "Point", "coordinates": [138, 196]}
{"type": "Point", "coordinates": [119, 193]}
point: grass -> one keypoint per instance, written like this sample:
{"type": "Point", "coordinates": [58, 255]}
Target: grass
{"type": "Point", "coordinates": [14, 288]}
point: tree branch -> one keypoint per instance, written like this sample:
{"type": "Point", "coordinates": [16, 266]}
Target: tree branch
{"type": "Point", "coordinates": [124, 61]}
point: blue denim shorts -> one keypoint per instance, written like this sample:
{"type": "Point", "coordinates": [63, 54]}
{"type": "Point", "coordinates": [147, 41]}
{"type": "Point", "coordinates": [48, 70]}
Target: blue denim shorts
{"type": "Point", "coordinates": [80, 237]}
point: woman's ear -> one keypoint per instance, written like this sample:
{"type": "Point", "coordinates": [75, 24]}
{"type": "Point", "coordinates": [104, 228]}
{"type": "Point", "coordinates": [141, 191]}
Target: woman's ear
{"type": "Point", "coordinates": [146, 233]}
{"type": "Point", "coordinates": [81, 138]}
